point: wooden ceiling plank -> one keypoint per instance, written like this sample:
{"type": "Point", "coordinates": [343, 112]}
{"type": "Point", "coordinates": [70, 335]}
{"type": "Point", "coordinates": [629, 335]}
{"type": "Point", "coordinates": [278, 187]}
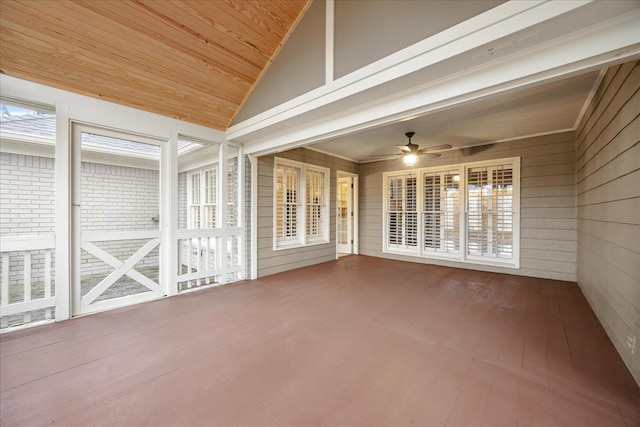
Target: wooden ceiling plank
{"type": "Point", "coordinates": [74, 74]}
{"type": "Point", "coordinates": [246, 24]}
{"type": "Point", "coordinates": [210, 119]}
{"type": "Point", "coordinates": [132, 45]}
{"type": "Point", "coordinates": [112, 69]}
{"type": "Point", "coordinates": [192, 60]}
{"type": "Point", "coordinates": [162, 95]}
{"type": "Point", "coordinates": [207, 29]}
{"type": "Point", "coordinates": [87, 36]}
{"type": "Point", "coordinates": [149, 24]}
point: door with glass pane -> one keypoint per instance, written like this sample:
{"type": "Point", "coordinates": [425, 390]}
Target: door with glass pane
{"type": "Point", "coordinates": [344, 220]}
{"type": "Point", "coordinates": [116, 219]}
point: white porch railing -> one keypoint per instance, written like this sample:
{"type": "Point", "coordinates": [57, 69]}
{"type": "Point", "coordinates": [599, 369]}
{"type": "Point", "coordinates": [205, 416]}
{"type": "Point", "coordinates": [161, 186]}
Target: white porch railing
{"type": "Point", "coordinates": [20, 294]}
{"type": "Point", "coordinates": [208, 257]}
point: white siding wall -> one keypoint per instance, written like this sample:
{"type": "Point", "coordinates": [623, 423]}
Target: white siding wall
{"type": "Point", "coordinates": [547, 201]}
{"type": "Point", "coordinates": [270, 261]}
{"type": "Point", "coordinates": [608, 188]}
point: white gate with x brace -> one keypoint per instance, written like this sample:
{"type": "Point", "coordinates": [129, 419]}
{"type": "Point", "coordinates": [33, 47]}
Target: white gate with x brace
{"type": "Point", "coordinates": [87, 303]}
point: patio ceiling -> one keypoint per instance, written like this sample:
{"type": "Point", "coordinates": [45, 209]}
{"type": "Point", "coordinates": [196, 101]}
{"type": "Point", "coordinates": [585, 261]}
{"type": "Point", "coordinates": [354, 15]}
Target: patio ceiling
{"type": "Point", "coordinates": [193, 60]}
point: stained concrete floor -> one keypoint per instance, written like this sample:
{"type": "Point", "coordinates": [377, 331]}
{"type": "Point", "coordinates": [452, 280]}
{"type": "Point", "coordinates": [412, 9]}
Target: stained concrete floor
{"type": "Point", "coordinates": [356, 342]}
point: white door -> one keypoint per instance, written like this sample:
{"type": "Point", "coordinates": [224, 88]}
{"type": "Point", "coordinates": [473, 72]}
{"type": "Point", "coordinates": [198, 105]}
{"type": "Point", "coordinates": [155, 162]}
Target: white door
{"type": "Point", "coordinates": [344, 220]}
{"type": "Point", "coordinates": [116, 207]}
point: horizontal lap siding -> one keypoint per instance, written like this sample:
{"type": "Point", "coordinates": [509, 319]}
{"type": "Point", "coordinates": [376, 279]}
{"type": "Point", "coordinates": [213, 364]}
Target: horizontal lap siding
{"type": "Point", "coordinates": [270, 261]}
{"type": "Point", "coordinates": [547, 204]}
{"type": "Point", "coordinates": [608, 189]}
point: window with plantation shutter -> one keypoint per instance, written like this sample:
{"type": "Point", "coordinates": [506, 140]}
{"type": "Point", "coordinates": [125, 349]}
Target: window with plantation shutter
{"type": "Point", "coordinates": [232, 192]}
{"type": "Point", "coordinates": [402, 214]}
{"type": "Point", "coordinates": [490, 211]}
{"type": "Point", "coordinates": [301, 204]}
{"type": "Point", "coordinates": [201, 198]}
{"type": "Point", "coordinates": [441, 211]}
{"type": "Point", "coordinates": [287, 202]}
{"type": "Point", "coordinates": [315, 203]}
{"type": "Point", "coordinates": [467, 212]}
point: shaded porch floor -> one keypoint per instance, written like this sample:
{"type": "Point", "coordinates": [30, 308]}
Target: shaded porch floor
{"type": "Point", "coordinates": [359, 341]}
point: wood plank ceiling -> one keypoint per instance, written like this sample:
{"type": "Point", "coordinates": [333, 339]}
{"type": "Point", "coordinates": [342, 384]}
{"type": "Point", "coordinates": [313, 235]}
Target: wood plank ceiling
{"type": "Point", "coordinates": [192, 60]}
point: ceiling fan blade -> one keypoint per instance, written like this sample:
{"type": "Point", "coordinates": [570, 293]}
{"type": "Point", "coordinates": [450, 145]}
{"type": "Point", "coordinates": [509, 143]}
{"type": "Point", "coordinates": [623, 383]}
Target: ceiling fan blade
{"type": "Point", "coordinates": [386, 155]}
{"type": "Point", "coordinates": [436, 148]}
{"type": "Point", "coordinates": [430, 155]}
{"type": "Point", "coordinates": [404, 148]}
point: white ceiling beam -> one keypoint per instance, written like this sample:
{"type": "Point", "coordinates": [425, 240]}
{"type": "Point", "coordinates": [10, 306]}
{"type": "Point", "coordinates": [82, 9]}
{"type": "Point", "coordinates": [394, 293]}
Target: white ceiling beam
{"type": "Point", "coordinates": [615, 40]}
{"type": "Point", "coordinates": [494, 24]}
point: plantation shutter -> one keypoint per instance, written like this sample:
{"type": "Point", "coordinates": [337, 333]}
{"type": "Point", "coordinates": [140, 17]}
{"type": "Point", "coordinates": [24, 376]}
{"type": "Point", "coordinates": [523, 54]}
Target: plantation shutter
{"type": "Point", "coordinates": [287, 202]}
{"type": "Point", "coordinates": [490, 211]}
{"type": "Point", "coordinates": [315, 194]}
{"type": "Point", "coordinates": [402, 214]}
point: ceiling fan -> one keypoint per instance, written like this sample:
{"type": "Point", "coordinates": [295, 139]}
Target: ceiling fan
{"type": "Point", "coordinates": [411, 152]}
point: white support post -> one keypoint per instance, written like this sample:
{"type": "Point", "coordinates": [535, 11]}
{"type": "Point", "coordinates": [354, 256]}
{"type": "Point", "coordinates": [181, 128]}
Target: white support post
{"type": "Point", "coordinates": [254, 216]}
{"type": "Point", "coordinates": [63, 192]}
{"type": "Point", "coordinates": [169, 216]}
{"type": "Point", "coordinates": [221, 251]}
{"type": "Point", "coordinates": [240, 209]}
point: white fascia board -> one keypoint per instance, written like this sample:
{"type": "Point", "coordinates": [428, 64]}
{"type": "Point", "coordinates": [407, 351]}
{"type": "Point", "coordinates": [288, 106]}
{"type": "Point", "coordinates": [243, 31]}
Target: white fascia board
{"type": "Point", "coordinates": [616, 40]}
{"type": "Point", "coordinates": [494, 24]}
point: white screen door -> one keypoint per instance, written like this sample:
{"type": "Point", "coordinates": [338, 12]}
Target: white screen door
{"type": "Point", "coordinates": [116, 207]}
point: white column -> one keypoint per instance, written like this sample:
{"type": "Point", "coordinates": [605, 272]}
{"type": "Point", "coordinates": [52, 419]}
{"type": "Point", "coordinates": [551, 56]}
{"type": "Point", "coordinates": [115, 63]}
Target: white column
{"type": "Point", "coordinates": [221, 247]}
{"type": "Point", "coordinates": [63, 186]}
{"type": "Point", "coordinates": [169, 215]}
{"type": "Point", "coordinates": [254, 216]}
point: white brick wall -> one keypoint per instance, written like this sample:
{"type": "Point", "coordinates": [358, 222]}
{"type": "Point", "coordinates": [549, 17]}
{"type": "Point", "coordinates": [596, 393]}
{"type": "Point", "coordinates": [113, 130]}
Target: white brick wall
{"type": "Point", "coordinates": [27, 199]}
{"type": "Point", "coordinates": [27, 207]}
{"type": "Point", "coordinates": [118, 198]}
{"type": "Point", "coordinates": [113, 198]}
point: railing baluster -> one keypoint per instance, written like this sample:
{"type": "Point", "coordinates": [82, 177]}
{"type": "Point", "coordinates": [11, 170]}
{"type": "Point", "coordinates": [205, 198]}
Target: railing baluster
{"type": "Point", "coordinates": [47, 281]}
{"type": "Point", "coordinates": [190, 249]}
{"type": "Point", "coordinates": [199, 260]}
{"type": "Point", "coordinates": [180, 261]}
{"type": "Point", "coordinates": [207, 280]}
{"type": "Point", "coordinates": [6, 259]}
{"type": "Point", "coordinates": [27, 283]}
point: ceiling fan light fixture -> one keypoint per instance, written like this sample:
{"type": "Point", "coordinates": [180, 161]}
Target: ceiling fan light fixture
{"type": "Point", "coordinates": [410, 159]}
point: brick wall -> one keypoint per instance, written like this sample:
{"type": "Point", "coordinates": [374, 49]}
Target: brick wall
{"type": "Point", "coordinates": [118, 198]}
{"type": "Point", "coordinates": [27, 207]}
{"type": "Point", "coordinates": [114, 198]}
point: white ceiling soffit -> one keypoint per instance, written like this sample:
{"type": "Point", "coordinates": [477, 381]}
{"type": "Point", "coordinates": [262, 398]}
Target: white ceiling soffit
{"type": "Point", "coordinates": [551, 107]}
{"type": "Point", "coordinates": [513, 46]}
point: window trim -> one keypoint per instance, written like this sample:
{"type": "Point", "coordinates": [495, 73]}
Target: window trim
{"type": "Point", "coordinates": [302, 240]}
{"type": "Point", "coordinates": [461, 256]}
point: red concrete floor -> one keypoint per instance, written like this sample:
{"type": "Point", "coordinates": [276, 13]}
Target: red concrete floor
{"type": "Point", "coordinates": [356, 342]}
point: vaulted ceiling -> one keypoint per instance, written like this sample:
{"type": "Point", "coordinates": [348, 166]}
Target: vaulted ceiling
{"type": "Point", "coordinates": [193, 60]}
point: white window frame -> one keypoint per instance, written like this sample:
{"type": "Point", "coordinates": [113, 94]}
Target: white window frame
{"type": "Point", "coordinates": [301, 238]}
{"type": "Point", "coordinates": [202, 205]}
{"type": "Point", "coordinates": [461, 255]}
